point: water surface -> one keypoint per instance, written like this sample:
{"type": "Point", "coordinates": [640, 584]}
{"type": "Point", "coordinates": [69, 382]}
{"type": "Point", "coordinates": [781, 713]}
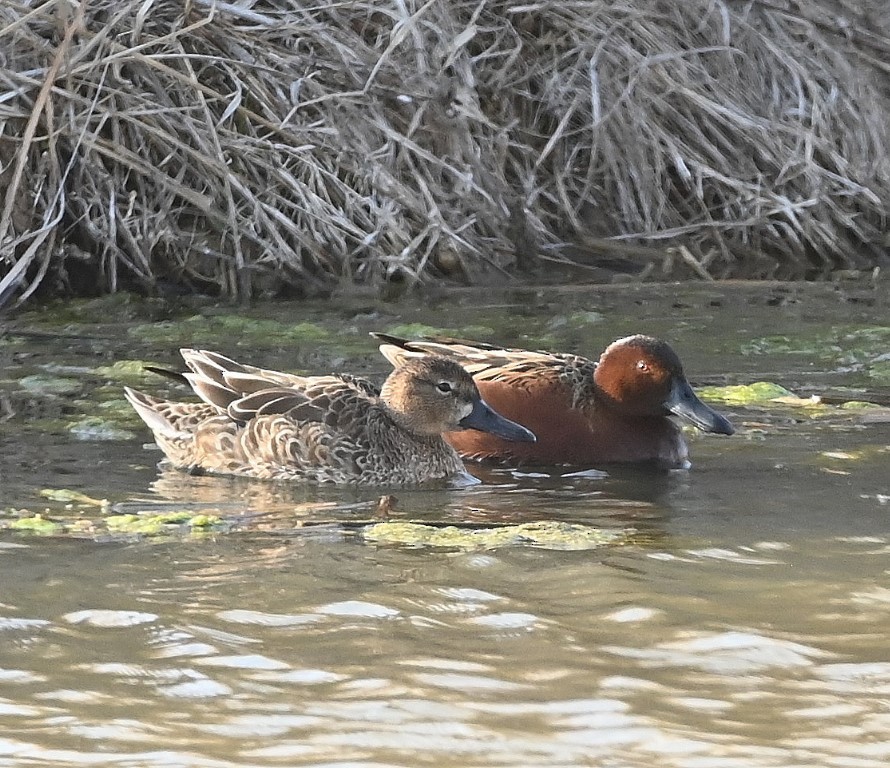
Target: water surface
{"type": "Point", "coordinates": [744, 625]}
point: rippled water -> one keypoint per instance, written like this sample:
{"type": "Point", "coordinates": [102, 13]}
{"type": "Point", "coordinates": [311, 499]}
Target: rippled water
{"type": "Point", "coordinates": [746, 625]}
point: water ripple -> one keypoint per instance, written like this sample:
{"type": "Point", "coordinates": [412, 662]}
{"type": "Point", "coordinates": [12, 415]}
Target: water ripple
{"type": "Point", "coordinates": [245, 661]}
{"type": "Point", "coordinates": [508, 620]}
{"type": "Point", "coordinates": [358, 609]}
{"type": "Point", "coordinates": [204, 688]}
{"type": "Point", "coordinates": [240, 616]}
{"type": "Point", "coordinates": [724, 653]}
{"type": "Point", "coordinates": [107, 618]}
{"type": "Point", "coordinates": [467, 682]}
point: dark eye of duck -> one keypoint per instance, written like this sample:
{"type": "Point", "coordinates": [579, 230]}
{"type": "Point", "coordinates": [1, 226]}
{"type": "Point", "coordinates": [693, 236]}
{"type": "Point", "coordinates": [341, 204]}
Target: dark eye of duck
{"type": "Point", "coordinates": [444, 387]}
{"type": "Point", "coordinates": [642, 366]}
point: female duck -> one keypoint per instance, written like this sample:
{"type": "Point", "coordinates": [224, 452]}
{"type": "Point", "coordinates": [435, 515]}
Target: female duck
{"type": "Point", "coordinates": [582, 412]}
{"type": "Point", "coordinates": [324, 429]}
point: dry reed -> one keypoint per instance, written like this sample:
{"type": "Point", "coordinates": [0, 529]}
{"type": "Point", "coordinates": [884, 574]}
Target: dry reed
{"type": "Point", "coordinates": [257, 146]}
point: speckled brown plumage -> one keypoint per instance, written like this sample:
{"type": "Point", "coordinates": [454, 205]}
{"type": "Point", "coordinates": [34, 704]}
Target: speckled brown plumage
{"type": "Point", "coordinates": [324, 429]}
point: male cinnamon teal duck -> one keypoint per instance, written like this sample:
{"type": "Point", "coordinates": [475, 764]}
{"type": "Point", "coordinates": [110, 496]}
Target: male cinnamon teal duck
{"type": "Point", "coordinates": [325, 429]}
{"type": "Point", "coordinates": [582, 412]}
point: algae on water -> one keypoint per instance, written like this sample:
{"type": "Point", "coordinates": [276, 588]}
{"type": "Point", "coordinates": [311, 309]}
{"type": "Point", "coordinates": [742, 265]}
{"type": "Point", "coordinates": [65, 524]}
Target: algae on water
{"type": "Point", "coordinates": [745, 394]}
{"type": "Point", "coordinates": [210, 329]}
{"type": "Point", "coordinates": [125, 371]}
{"type": "Point", "coordinates": [96, 428]}
{"type": "Point", "coordinates": [48, 385]}
{"type": "Point", "coordinates": [767, 393]}
{"type": "Point", "coordinates": [856, 349]}
{"type": "Point", "coordinates": [36, 524]}
{"type": "Point", "coordinates": [126, 524]}
{"type": "Point", "coordinates": [154, 524]}
{"type": "Point", "coordinates": [547, 535]}
{"type": "Point", "coordinates": [67, 496]}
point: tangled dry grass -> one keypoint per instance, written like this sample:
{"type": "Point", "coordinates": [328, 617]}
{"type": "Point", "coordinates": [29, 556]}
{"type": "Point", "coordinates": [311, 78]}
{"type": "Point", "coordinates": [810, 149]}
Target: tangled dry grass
{"type": "Point", "coordinates": [253, 146]}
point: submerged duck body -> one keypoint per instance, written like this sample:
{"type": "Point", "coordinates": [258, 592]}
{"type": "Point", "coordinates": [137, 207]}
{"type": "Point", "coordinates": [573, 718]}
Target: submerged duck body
{"type": "Point", "coordinates": [584, 413]}
{"type": "Point", "coordinates": [325, 429]}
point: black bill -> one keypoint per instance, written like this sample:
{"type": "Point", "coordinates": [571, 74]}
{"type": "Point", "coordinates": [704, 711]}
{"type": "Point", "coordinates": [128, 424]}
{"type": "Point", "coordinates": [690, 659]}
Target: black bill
{"type": "Point", "coordinates": [483, 418]}
{"type": "Point", "coordinates": [684, 402]}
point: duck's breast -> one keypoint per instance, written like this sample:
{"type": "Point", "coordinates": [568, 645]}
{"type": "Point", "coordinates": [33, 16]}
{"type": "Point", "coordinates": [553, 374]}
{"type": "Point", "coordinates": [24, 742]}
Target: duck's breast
{"type": "Point", "coordinates": [587, 435]}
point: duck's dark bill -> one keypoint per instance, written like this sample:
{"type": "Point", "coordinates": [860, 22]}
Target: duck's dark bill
{"type": "Point", "coordinates": [685, 403]}
{"type": "Point", "coordinates": [483, 418]}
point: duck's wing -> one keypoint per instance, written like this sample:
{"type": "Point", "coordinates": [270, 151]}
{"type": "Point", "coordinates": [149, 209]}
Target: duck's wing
{"type": "Point", "coordinates": [319, 428]}
{"type": "Point", "coordinates": [263, 423]}
{"type": "Point", "coordinates": [487, 362]}
{"type": "Point", "coordinates": [245, 392]}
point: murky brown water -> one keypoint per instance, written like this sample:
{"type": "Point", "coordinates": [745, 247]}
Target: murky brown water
{"type": "Point", "coordinates": [747, 626]}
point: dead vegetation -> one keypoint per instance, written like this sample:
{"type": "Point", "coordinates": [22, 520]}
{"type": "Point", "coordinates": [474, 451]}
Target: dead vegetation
{"type": "Point", "coordinates": [254, 147]}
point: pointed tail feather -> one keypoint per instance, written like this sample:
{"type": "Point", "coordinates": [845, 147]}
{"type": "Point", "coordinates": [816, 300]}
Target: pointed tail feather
{"type": "Point", "coordinates": [146, 407]}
